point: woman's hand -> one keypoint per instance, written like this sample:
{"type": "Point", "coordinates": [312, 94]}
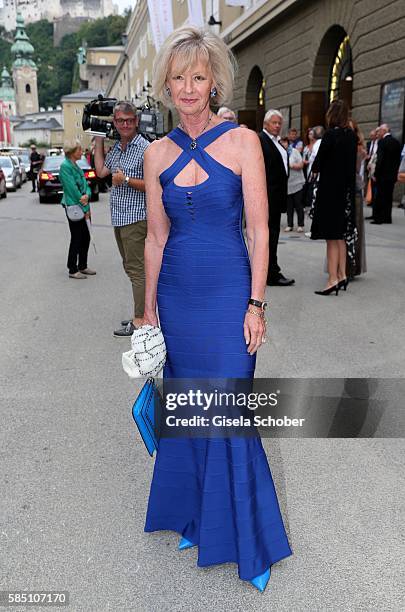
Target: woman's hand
{"type": "Point", "coordinates": [150, 318]}
{"type": "Point", "coordinates": [84, 199]}
{"type": "Point", "coordinates": [254, 329]}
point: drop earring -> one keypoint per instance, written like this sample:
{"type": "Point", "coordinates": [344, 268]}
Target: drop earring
{"type": "Point", "coordinates": [169, 93]}
{"type": "Point", "coordinates": [213, 92]}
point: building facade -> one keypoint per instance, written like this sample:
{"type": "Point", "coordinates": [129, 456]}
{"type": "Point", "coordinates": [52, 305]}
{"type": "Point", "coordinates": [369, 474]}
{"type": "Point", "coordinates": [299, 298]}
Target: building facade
{"type": "Point", "coordinates": [296, 55]}
{"type": "Point", "coordinates": [45, 126]}
{"type": "Point", "coordinates": [97, 66]}
{"type": "Point", "coordinates": [73, 105]}
{"type": "Point", "coordinates": [34, 10]}
{"type": "Point", "coordinates": [44, 131]}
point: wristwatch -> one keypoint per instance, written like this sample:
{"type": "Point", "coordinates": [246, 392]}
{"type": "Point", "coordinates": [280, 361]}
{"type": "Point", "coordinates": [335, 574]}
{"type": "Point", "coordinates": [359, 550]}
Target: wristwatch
{"type": "Point", "coordinates": [262, 305]}
{"type": "Point", "coordinates": [127, 180]}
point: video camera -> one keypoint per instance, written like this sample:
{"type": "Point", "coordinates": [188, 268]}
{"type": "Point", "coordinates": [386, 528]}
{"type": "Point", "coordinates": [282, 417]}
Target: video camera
{"type": "Point", "coordinates": [150, 120]}
{"type": "Point", "coordinates": [102, 107]}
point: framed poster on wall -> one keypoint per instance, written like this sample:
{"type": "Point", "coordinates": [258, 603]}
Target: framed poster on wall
{"type": "Point", "coordinates": [392, 107]}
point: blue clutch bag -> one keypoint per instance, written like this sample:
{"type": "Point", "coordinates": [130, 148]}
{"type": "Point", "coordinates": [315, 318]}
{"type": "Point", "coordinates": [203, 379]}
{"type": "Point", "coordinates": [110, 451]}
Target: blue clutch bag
{"type": "Point", "coordinates": [145, 412]}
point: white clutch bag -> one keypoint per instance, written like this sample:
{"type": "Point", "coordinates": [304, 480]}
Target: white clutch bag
{"type": "Point", "coordinates": [148, 354]}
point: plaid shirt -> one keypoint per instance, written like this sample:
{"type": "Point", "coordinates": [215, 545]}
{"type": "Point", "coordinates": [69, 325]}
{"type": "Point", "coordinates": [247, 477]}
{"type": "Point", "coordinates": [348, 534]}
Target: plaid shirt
{"type": "Point", "coordinates": [128, 205]}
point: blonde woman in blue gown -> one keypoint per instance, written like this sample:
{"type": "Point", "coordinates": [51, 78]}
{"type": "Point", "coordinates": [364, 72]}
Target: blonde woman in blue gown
{"type": "Point", "coordinates": [217, 493]}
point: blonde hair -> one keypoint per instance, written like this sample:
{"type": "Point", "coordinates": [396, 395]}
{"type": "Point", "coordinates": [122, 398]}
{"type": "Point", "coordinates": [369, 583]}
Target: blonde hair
{"type": "Point", "coordinates": [188, 45]}
{"type": "Point", "coordinates": [71, 147]}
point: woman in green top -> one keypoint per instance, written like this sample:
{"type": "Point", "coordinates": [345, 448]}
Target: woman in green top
{"type": "Point", "coordinates": [76, 191]}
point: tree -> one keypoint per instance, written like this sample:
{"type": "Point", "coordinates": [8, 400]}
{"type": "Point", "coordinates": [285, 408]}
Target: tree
{"type": "Point", "coordinates": [5, 46]}
{"type": "Point", "coordinates": [33, 141]}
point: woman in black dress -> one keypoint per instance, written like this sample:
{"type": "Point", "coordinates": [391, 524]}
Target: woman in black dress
{"type": "Point", "coordinates": [334, 197]}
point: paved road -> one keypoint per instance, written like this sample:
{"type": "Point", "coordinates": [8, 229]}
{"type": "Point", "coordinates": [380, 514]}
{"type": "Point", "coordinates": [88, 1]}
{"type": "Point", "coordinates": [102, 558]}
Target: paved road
{"type": "Point", "coordinates": [75, 476]}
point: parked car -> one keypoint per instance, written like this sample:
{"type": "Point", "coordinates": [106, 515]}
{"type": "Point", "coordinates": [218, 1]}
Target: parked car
{"type": "Point", "coordinates": [55, 151]}
{"type": "Point", "coordinates": [49, 186]}
{"type": "Point", "coordinates": [18, 165]}
{"type": "Point", "coordinates": [25, 161]}
{"type": "Point", "coordinates": [91, 177]}
{"type": "Point", "coordinates": [11, 171]}
{"type": "Point", "coordinates": [3, 188]}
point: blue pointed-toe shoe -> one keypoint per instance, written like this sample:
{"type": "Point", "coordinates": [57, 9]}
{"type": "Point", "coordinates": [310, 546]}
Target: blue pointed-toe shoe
{"type": "Point", "coordinates": [184, 543]}
{"type": "Point", "coordinates": [260, 582]}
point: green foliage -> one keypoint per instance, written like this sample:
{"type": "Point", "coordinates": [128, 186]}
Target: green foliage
{"type": "Point", "coordinates": [57, 66]}
{"type": "Point", "coordinates": [37, 143]}
{"type": "Point", "coordinates": [102, 32]}
{"type": "Point", "coordinates": [5, 46]}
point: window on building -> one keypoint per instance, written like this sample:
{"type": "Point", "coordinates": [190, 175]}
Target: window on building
{"type": "Point", "coordinates": [28, 88]}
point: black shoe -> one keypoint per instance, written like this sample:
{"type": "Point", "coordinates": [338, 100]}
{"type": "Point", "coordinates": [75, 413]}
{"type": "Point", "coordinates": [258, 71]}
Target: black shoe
{"type": "Point", "coordinates": [369, 218]}
{"type": "Point", "coordinates": [343, 284]}
{"type": "Point", "coordinates": [374, 222]}
{"type": "Point", "coordinates": [329, 290]}
{"type": "Point", "coordinates": [125, 332]}
{"type": "Point", "coordinates": [280, 281]}
{"type": "Point", "coordinates": [32, 190]}
{"type": "Point", "coordinates": [125, 322]}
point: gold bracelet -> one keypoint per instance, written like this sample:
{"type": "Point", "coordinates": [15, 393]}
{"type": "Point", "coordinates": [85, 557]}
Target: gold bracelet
{"type": "Point", "coordinates": [257, 314]}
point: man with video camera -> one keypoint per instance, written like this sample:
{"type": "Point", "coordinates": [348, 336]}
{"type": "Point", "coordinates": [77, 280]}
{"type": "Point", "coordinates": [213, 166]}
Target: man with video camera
{"type": "Point", "coordinates": [127, 202]}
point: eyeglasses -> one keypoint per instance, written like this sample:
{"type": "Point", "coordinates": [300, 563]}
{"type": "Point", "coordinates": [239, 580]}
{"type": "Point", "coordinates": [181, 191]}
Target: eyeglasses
{"type": "Point", "coordinates": [130, 121]}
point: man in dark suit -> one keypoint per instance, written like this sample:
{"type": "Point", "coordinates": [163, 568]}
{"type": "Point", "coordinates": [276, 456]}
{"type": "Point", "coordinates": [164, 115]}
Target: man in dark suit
{"type": "Point", "coordinates": [277, 171]}
{"type": "Point", "coordinates": [386, 172]}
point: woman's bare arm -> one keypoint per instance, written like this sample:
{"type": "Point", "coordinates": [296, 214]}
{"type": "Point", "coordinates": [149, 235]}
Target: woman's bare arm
{"type": "Point", "coordinates": [158, 228]}
{"type": "Point", "coordinates": [256, 211]}
{"type": "Point", "coordinates": [257, 229]}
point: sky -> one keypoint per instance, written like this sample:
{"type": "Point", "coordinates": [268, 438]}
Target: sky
{"type": "Point", "coordinates": [122, 4]}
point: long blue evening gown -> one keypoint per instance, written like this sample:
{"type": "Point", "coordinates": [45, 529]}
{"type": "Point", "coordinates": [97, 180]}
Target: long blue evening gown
{"type": "Point", "coordinates": [217, 493]}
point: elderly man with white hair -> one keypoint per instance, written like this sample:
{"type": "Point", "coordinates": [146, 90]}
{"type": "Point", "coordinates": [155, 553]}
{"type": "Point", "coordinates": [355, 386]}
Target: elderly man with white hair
{"type": "Point", "coordinates": [277, 171]}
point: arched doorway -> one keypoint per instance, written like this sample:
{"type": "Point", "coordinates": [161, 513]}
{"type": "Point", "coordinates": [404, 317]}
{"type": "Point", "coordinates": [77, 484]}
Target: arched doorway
{"type": "Point", "coordinates": [332, 77]}
{"type": "Point", "coordinates": [255, 103]}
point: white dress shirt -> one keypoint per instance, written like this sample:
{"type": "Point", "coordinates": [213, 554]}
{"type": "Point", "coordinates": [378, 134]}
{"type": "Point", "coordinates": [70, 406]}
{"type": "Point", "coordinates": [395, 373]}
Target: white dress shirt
{"type": "Point", "coordinates": [314, 153]}
{"type": "Point", "coordinates": [283, 152]}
